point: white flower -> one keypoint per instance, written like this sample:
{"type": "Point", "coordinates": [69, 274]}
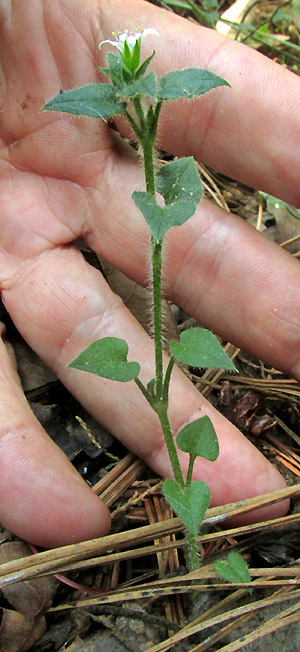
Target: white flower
{"type": "Point", "coordinates": [129, 45]}
{"type": "Point", "coordinates": [130, 39]}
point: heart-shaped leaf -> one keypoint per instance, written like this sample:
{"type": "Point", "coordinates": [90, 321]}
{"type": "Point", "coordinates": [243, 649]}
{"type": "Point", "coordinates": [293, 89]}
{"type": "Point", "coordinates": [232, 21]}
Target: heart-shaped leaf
{"type": "Point", "coordinates": [107, 358]}
{"type": "Point", "coordinates": [198, 347]}
{"type": "Point", "coordinates": [190, 503]}
{"type": "Point", "coordinates": [234, 569]}
{"type": "Point", "coordinates": [189, 83]}
{"type": "Point", "coordinates": [179, 180]}
{"type": "Point", "coordinates": [199, 439]}
{"type": "Point", "coordinates": [94, 100]}
{"type": "Point", "coordinates": [161, 218]}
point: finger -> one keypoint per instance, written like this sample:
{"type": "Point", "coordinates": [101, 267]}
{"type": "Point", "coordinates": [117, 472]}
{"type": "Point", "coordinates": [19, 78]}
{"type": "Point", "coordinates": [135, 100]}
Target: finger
{"type": "Point", "coordinates": [42, 498]}
{"type": "Point", "coordinates": [75, 307]}
{"type": "Point", "coordinates": [250, 131]}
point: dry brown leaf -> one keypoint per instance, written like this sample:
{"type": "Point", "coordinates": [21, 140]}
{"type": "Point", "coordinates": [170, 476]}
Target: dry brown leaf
{"type": "Point", "coordinates": [15, 629]}
{"type": "Point", "coordinates": [19, 633]}
{"type": "Point", "coordinates": [30, 597]}
{"type": "Point", "coordinates": [21, 629]}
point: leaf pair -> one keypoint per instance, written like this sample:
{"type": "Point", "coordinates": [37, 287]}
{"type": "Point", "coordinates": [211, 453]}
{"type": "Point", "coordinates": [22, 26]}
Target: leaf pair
{"type": "Point", "coordinates": [107, 357]}
{"type": "Point", "coordinates": [179, 184]}
{"type": "Point", "coordinates": [191, 502]}
{"type": "Point", "coordinates": [107, 100]}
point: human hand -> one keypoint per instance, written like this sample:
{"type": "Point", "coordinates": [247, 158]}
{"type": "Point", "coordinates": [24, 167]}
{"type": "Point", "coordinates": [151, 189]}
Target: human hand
{"type": "Point", "coordinates": [62, 178]}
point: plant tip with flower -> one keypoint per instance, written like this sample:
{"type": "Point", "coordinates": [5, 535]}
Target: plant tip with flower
{"type": "Point", "coordinates": [129, 46]}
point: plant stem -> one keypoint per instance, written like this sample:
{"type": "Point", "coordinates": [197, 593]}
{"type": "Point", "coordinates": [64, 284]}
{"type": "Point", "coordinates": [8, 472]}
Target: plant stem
{"type": "Point", "coordinates": [148, 165]}
{"type": "Point", "coordinates": [156, 259]}
{"type": "Point", "coordinates": [133, 124]}
{"type": "Point", "coordinates": [190, 471]}
{"type": "Point", "coordinates": [144, 391]}
{"type": "Point", "coordinates": [161, 400]}
{"type": "Point", "coordinates": [162, 412]}
{"type": "Point", "coordinates": [192, 555]}
{"type": "Point", "coordinates": [161, 403]}
{"type": "Point", "coordinates": [140, 113]}
{"type": "Point", "coordinates": [167, 379]}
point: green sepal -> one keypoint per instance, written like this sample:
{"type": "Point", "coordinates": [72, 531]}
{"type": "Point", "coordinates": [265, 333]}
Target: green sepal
{"type": "Point", "coordinates": [199, 439]}
{"type": "Point", "coordinates": [115, 69]}
{"type": "Point", "coordinates": [126, 55]}
{"type": "Point", "coordinates": [107, 358]}
{"type": "Point", "coordinates": [162, 218]}
{"type": "Point", "coordinates": [143, 67]}
{"type": "Point", "coordinates": [233, 569]}
{"type": "Point", "coordinates": [198, 347]}
{"type": "Point", "coordinates": [190, 503]}
{"type": "Point", "coordinates": [179, 180]}
{"type": "Point", "coordinates": [135, 55]}
{"type": "Point", "coordinates": [127, 84]}
{"type": "Point", "coordinates": [93, 100]}
{"type": "Point", "coordinates": [131, 57]}
{"type": "Point", "coordinates": [187, 84]}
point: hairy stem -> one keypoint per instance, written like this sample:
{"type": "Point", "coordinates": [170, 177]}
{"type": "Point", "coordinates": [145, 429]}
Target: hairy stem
{"type": "Point", "coordinates": [144, 391]}
{"type": "Point", "coordinates": [156, 259]}
{"type": "Point", "coordinates": [162, 411]}
{"type": "Point", "coordinates": [192, 553]}
{"type": "Point", "coordinates": [190, 471]}
{"type": "Point", "coordinates": [140, 113]}
{"type": "Point", "coordinates": [161, 400]}
{"type": "Point", "coordinates": [167, 379]}
{"type": "Point", "coordinates": [148, 165]}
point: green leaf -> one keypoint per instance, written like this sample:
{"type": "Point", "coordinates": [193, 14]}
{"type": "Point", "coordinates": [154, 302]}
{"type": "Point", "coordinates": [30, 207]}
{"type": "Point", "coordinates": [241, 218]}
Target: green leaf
{"type": "Point", "coordinates": [198, 347]}
{"type": "Point", "coordinates": [234, 569]}
{"type": "Point", "coordinates": [199, 439]}
{"type": "Point", "coordinates": [179, 180]}
{"type": "Point", "coordinates": [189, 83]}
{"type": "Point", "coordinates": [190, 503]}
{"type": "Point", "coordinates": [279, 204]}
{"type": "Point", "coordinates": [161, 218]}
{"type": "Point", "coordinates": [141, 86]}
{"type": "Point", "coordinates": [107, 358]}
{"type": "Point", "coordinates": [273, 201]}
{"type": "Point", "coordinates": [94, 100]}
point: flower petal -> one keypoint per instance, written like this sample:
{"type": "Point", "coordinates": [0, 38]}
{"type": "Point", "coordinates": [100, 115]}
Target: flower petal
{"type": "Point", "coordinates": [150, 30]}
{"type": "Point", "coordinates": [114, 43]}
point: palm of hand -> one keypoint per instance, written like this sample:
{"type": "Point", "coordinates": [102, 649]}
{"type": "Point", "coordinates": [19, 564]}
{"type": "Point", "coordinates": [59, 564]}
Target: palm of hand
{"type": "Point", "coordinates": [62, 178]}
